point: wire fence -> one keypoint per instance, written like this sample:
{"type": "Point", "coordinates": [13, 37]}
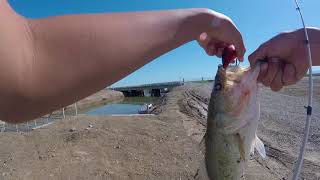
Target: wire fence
{"type": "Point", "coordinates": [39, 122]}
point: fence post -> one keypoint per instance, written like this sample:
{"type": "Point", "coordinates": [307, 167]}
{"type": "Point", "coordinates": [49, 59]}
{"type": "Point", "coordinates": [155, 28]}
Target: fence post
{"type": "Point", "coordinates": [76, 107]}
{"type": "Point", "coordinates": [63, 113]}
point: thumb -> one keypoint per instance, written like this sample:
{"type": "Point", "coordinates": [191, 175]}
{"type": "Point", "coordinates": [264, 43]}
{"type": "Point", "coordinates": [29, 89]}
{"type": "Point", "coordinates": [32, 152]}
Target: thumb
{"type": "Point", "coordinates": [259, 54]}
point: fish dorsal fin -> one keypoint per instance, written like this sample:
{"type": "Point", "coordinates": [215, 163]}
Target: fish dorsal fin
{"type": "Point", "coordinates": [259, 146]}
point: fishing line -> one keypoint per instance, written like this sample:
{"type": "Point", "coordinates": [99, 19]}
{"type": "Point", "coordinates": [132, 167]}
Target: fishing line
{"type": "Point", "coordinates": [298, 166]}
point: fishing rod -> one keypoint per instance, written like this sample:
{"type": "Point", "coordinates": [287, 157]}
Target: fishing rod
{"type": "Point", "coordinates": [298, 166]}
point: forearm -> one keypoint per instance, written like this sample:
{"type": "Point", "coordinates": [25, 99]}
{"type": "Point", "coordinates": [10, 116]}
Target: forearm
{"type": "Point", "coordinates": [77, 55]}
{"type": "Point", "coordinates": [315, 46]}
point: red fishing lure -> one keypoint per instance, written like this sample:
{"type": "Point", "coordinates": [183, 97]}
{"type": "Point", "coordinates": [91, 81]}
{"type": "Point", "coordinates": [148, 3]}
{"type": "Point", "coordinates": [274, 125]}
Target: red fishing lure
{"type": "Point", "coordinates": [229, 55]}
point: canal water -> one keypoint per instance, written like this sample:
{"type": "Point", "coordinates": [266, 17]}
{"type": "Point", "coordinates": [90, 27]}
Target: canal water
{"type": "Point", "coordinates": [115, 109]}
{"type": "Point", "coordinates": [130, 105]}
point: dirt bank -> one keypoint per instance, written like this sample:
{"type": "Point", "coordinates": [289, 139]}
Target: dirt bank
{"type": "Point", "coordinates": [163, 146]}
{"type": "Point", "coordinates": [105, 147]}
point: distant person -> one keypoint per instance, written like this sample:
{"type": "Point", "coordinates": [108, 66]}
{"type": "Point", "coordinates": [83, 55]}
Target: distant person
{"type": "Point", "coordinates": [52, 62]}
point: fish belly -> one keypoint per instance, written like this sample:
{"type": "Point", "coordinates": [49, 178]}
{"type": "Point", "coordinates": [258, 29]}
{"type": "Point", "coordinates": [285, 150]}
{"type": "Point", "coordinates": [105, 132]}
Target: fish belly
{"type": "Point", "coordinates": [225, 156]}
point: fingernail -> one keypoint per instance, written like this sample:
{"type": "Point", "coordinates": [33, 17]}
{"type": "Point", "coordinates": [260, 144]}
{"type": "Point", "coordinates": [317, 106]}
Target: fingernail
{"type": "Point", "coordinates": [203, 36]}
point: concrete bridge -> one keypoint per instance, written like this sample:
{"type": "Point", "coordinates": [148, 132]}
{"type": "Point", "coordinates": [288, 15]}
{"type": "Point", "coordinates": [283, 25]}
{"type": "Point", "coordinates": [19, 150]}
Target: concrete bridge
{"type": "Point", "coordinates": [155, 89]}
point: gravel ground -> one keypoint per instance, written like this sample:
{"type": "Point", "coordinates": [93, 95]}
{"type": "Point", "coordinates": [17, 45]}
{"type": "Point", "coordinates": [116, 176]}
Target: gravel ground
{"type": "Point", "coordinates": [281, 128]}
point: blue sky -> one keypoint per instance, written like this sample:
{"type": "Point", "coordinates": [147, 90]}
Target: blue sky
{"type": "Point", "coordinates": [257, 20]}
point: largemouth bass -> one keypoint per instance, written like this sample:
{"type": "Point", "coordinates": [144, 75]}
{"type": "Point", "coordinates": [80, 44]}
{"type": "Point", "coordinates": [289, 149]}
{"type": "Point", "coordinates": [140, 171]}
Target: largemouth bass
{"type": "Point", "coordinates": [232, 121]}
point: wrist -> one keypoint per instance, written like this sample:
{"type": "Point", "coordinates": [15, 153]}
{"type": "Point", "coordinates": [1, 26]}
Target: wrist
{"type": "Point", "coordinates": [199, 21]}
{"type": "Point", "coordinates": [314, 40]}
{"type": "Point", "coordinates": [315, 45]}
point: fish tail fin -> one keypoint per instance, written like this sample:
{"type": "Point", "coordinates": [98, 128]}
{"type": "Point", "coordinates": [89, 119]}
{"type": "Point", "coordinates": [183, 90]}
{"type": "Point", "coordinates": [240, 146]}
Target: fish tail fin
{"type": "Point", "coordinates": [259, 146]}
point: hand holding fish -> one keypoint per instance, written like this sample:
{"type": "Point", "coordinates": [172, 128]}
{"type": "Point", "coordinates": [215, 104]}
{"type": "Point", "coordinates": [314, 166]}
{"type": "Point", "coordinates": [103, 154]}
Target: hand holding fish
{"type": "Point", "coordinates": [286, 57]}
{"type": "Point", "coordinates": [221, 33]}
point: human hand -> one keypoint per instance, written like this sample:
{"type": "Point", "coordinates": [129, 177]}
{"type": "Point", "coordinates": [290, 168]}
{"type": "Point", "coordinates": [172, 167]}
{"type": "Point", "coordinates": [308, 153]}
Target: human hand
{"type": "Point", "coordinates": [286, 57]}
{"type": "Point", "coordinates": [220, 33]}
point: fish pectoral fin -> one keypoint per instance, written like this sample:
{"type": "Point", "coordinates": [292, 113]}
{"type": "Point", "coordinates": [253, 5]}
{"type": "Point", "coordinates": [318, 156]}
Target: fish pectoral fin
{"type": "Point", "coordinates": [259, 146]}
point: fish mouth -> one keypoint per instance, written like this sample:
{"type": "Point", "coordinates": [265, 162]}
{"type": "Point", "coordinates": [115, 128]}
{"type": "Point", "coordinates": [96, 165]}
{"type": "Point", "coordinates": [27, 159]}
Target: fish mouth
{"type": "Point", "coordinates": [234, 87]}
{"type": "Point", "coordinates": [227, 78]}
{"type": "Point", "coordinates": [234, 75]}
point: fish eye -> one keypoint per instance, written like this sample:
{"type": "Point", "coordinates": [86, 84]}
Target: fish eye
{"type": "Point", "coordinates": [218, 87]}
